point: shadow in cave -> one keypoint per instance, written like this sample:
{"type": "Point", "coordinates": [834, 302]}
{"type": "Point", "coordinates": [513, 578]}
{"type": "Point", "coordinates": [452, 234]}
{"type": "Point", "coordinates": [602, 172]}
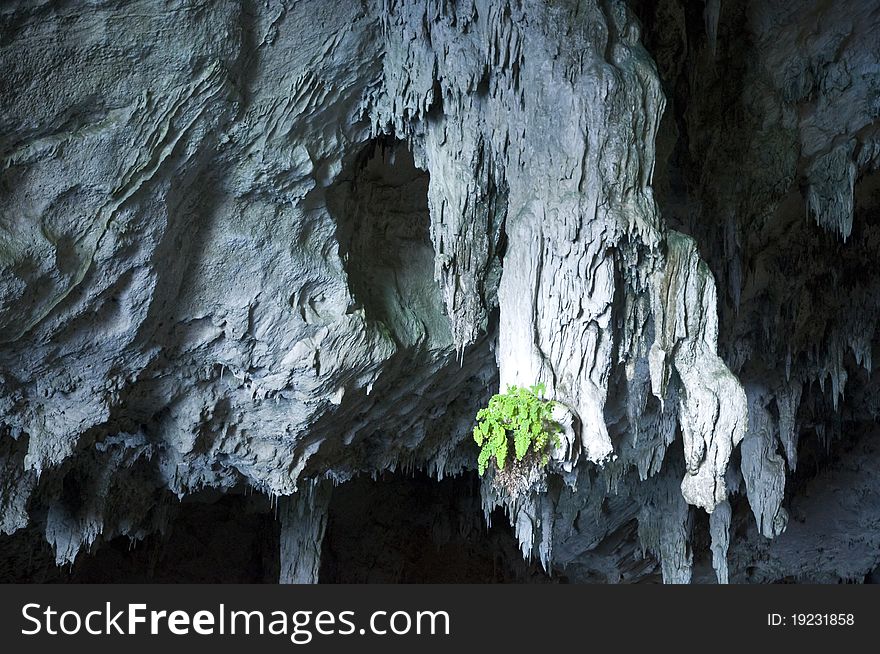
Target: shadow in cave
{"type": "Point", "coordinates": [396, 529]}
{"type": "Point", "coordinates": [414, 529]}
{"type": "Point", "coordinates": [211, 538]}
{"type": "Point", "coordinates": [421, 402]}
{"type": "Point", "coordinates": [380, 204]}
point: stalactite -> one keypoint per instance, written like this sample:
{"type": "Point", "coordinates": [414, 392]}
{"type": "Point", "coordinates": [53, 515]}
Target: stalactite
{"type": "Point", "coordinates": [311, 250]}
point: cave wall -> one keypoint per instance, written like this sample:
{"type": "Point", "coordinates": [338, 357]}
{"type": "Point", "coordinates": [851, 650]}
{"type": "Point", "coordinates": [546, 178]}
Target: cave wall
{"type": "Point", "coordinates": [280, 245]}
{"type": "Point", "coordinates": [768, 157]}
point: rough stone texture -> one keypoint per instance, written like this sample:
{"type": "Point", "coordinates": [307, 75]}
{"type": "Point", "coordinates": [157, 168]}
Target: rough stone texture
{"type": "Point", "coordinates": [279, 244]}
{"type": "Point", "coordinates": [303, 523]}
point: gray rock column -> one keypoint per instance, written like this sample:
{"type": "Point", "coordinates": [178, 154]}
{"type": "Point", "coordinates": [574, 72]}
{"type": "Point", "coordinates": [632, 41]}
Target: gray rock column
{"type": "Point", "coordinates": [303, 522]}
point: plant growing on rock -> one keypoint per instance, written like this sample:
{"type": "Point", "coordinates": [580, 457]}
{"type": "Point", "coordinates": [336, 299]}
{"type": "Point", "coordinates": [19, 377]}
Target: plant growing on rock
{"type": "Point", "coordinates": [521, 415]}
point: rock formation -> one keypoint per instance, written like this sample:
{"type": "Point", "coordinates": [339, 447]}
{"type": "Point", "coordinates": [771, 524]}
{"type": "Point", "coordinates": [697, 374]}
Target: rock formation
{"type": "Point", "coordinates": [272, 246]}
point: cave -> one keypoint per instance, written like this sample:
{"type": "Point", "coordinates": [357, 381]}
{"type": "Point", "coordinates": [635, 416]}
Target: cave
{"type": "Point", "coordinates": [397, 528]}
{"type": "Point", "coordinates": [207, 538]}
{"type": "Point", "coordinates": [380, 204]}
{"type": "Point", "coordinates": [413, 529]}
{"type": "Point", "coordinates": [255, 292]}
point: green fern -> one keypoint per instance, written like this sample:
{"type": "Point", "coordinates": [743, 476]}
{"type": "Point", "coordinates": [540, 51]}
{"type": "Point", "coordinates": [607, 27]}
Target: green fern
{"type": "Point", "coordinates": [521, 414]}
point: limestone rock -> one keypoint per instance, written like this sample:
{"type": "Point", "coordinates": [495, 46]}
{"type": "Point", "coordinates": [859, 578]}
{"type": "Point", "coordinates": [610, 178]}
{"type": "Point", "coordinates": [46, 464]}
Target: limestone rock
{"type": "Point", "coordinates": [274, 246]}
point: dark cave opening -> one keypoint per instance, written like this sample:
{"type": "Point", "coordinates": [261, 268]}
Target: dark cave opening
{"type": "Point", "coordinates": [398, 528]}
{"type": "Point", "coordinates": [380, 204]}
{"type": "Point", "coordinates": [414, 529]}
{"type": "Point", "coordinates": [209, 538]}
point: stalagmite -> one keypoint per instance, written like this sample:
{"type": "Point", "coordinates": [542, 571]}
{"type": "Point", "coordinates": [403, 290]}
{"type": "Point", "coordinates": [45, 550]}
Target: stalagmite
{"type": "Point", "coordinates": [303, 518]}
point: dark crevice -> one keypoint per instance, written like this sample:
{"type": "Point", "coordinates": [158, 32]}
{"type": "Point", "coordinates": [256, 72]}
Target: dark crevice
{"type": "Point", "coordinates": [380, 203]}
{"type": "Point", "coordinates": [414, 529]}
{"type": "Point", "coordinates": [209, 538]}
